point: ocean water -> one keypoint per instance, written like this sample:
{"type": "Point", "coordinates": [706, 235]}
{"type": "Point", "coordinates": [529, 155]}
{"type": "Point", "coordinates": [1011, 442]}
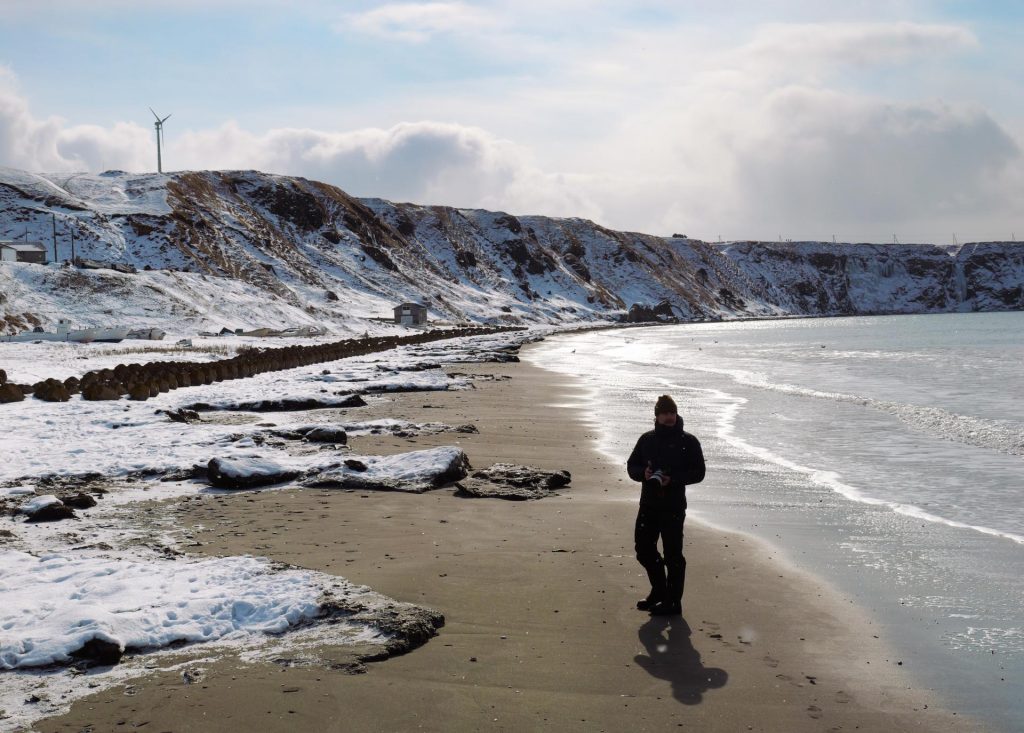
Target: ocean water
{"type": "Point", "coordinates": [884, 454]}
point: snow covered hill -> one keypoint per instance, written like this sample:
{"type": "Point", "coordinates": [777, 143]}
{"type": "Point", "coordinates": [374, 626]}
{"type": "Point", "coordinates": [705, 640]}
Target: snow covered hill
{"type": "Point", "coordinates": [247, 249]}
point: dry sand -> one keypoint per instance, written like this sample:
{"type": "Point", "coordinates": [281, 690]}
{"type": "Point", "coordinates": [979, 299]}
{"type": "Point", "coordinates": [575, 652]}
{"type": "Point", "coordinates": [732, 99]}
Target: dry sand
{"type": "Point", "coordinates": [541, 630]}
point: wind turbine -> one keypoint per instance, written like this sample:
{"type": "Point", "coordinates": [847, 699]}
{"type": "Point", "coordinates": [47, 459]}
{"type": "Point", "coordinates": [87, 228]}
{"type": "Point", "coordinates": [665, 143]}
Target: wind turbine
{"type": "Point", "coordinates": [159, 125]}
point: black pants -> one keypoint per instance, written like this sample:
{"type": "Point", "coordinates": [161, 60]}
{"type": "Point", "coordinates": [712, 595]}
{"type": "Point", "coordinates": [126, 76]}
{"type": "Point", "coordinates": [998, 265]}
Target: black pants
{"type": "Point", "coordinates": [668, 574]}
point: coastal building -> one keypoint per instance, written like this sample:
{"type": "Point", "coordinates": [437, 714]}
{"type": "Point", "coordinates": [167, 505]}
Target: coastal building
{"type": "Point", "coordinates": [23, 252]}
{"type": "Point", "coordinates": [411, 314]}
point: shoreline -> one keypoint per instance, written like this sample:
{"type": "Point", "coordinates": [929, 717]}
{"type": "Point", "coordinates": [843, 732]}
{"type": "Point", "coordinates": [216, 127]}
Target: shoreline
{"type": "Point", "coordinates": [538, 598]}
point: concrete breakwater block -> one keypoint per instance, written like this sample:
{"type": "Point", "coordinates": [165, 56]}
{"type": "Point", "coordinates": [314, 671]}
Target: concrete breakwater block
{"type": "Point", "coordinates": [11, 393]}
{"type": "Point", "coordinates": [281, 405]}
{"type": "Point", "coordinates": [156, 377]}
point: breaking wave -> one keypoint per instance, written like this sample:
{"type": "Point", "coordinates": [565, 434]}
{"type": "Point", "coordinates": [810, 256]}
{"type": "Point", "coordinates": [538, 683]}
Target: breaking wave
{"type": "Point", "coordinates": [731, 405]}
{"type": "Point", "coordinates": [1005, 436]}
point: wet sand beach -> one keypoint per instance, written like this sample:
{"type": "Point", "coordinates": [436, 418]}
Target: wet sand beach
{"type": "Point", "coordinates": [541, 630]}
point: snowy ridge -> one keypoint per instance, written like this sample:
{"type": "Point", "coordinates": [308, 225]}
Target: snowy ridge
{"type": "Point", "coordinates": [292, 252]}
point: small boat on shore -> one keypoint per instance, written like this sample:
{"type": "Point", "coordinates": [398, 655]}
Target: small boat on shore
{"type": "Point", "coordinates": [150, 334]}
{"type": "Point", "coordinates": [111, 334]}
{"type": "Point", "coordinates": [63, 332]}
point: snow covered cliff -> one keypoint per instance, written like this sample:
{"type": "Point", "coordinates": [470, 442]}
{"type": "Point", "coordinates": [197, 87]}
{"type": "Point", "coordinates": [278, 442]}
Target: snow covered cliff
{"type": "Point", "coordinates": [244, 248]}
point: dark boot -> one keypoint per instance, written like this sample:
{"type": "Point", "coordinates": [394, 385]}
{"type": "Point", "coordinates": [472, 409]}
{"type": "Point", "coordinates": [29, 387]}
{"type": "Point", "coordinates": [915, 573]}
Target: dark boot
{"type": "Point", "coordinates": [656, 575]}
{"type": "Point", "coordinates": [667, 608]}
{"type": "Point", "coordinates": [646, 604]}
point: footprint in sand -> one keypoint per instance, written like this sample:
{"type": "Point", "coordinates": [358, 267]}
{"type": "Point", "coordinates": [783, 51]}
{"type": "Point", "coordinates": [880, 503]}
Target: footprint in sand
{"type": "Point", "coordinates": [843, 697]}
{"type": "Point", "coordinates": [814, 711]}
{"type": "Point", "coordinates": [771, 661]}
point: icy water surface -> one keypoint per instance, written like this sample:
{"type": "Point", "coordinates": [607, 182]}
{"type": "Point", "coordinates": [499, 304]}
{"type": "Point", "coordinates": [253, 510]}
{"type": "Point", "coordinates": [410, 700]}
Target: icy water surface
{"type": "Point", "coordinates": [885, 454]}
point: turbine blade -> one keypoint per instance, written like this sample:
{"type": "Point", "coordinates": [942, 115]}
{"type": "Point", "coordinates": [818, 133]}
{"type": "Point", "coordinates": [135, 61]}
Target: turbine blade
{"type": "Point", "coordinates": [154, 113]}
{"type": "Point", "coordinates": [165, 119]}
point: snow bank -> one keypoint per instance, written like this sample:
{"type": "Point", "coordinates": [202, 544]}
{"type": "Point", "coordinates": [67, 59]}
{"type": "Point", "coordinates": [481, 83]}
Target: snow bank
{"type": "Point", "coordinates": [393, 425]}
{"type": "Point", "coordinates": [53, 605]}
{"type": "Point", "coordinates": [433, 380]}
{"type": "Point", "coordinates": [415, 471]}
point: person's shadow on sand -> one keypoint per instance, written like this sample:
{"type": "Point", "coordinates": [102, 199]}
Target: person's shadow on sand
{"type": "Point", "coordinates": [671, 656]}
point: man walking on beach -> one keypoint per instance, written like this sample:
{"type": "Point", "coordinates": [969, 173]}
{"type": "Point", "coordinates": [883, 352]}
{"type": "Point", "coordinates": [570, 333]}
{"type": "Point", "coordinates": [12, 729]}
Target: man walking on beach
{"type": "Point", "coordinates": [664, 461]}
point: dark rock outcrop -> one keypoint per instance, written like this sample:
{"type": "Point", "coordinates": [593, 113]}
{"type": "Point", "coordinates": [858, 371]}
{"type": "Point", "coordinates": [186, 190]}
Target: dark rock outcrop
{"type": "Point", "coordinates": [388, 474]}
{"type": "Point", "coordinates": [242, 473]}
{"type": "Point", "coordinates": [80, 500]}
{"type": "Point", "coordinates": [326, 434]}
{"type": "Point", "coordinates": [52, 513]}
{"type": "Point", "coordinates": [183, 415]}
{"type": "Point", "coordinates": [405, 626]}
{"type": "Point", "coordinates": [100, 652]}
{"type": "Point", "coordinates": [642, 313]}
{"type": "Point", "coordinates": [513, 482]}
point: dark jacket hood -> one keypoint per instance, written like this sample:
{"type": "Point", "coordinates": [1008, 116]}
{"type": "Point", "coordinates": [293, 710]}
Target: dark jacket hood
{"type": "Point", "coordinates": [666, 430]}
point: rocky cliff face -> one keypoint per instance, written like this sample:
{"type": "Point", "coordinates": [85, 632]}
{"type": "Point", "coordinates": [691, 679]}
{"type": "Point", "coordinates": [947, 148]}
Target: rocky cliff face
{"type": "Point", "coordinates": [310, 248]}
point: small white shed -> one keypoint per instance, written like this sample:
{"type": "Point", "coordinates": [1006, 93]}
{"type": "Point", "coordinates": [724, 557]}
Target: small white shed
{"type": "Point", "coordinates": [23, 252]}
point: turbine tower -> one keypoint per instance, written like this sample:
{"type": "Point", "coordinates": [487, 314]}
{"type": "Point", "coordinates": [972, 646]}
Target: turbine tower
{"type": "Point", "coordinates": [159, 125]}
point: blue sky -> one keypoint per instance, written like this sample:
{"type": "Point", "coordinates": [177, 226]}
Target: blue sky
{"type": "Point", "coordinates": [743, 119]}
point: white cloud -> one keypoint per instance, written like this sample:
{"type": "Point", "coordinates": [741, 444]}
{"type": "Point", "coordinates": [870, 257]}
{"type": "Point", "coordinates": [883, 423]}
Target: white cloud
{"type": "Point", "coordinates": [852, 43]}
{"type": "Point", "coordinates": [50, 145]}
{"type": "Point", "coordinates": [423, 162]}
{"type": "Point", "coordinates": [815, 162]}
{"type": "Point", "coordinates": [417, 22]}
{"type": "Point", "coordinates": [676, 130]}
{"type": "Point", "coordinates": [24, 141]}
{"type": "Point", "coordinates": [759, 139]}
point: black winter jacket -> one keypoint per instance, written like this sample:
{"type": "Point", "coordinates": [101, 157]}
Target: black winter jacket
{"type": "Point", "coordinates": [678, 454]}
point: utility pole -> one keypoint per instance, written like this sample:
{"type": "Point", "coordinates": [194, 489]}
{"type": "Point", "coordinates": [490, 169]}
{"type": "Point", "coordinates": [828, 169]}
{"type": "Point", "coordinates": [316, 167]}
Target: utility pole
{"type": "Point", "coordinates": [53, 221]}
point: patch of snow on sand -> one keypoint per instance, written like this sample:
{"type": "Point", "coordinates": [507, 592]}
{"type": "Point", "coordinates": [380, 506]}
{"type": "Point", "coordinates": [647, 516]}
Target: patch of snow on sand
{"type": "Point", "coordinates": [426, 381]}
{"type": "Point", "coordinates": [418, 467]}
{"type": "Point", "coordinates": [54, 604]}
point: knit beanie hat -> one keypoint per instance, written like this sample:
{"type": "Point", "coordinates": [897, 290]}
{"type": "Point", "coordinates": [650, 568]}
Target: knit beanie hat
{"type": "Point", "coordinates": [665, 404]}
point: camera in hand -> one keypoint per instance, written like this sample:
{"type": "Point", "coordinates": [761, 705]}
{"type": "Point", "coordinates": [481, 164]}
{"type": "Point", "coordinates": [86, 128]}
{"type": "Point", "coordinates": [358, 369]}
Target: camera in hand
{"type": "Point", "coordinates": [654, 482]}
